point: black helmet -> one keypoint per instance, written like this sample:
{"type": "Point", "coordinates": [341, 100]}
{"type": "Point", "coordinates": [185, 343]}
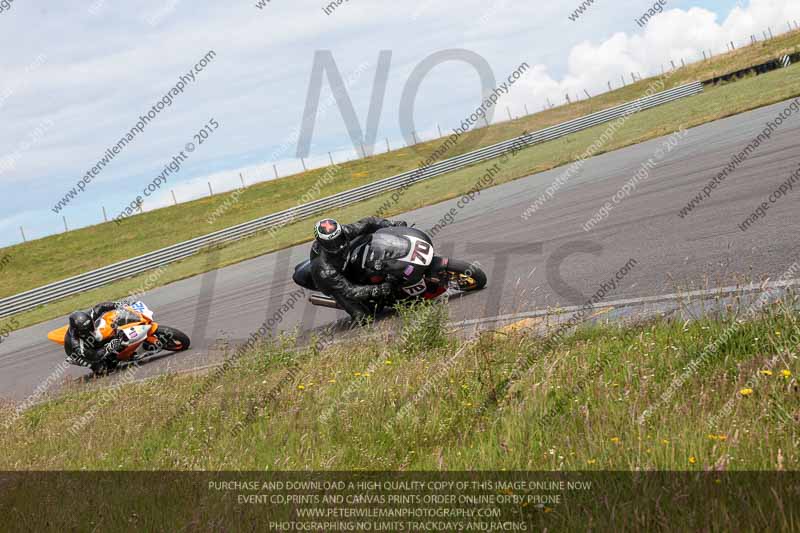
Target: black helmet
{"type": "Point", "coordinates": [330, 236]}
{"type": "Point", "coordinates": [81, 323]}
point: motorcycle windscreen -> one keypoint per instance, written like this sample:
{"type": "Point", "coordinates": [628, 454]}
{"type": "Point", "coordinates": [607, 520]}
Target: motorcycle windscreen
{"type": "Point", "coordinates": [386, 254]}
{"type": "Point", "coordinates": [385, 246]}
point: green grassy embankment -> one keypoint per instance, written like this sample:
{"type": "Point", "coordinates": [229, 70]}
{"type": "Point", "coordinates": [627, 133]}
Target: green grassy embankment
{"type": "Point", "coordinates": [46, 260]}
{"type": "Point", "coordinates": [428, 400]}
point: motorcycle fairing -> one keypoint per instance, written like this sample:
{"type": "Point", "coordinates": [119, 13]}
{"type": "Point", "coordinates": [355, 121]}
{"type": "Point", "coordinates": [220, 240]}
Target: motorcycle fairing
{"type": "Point", "coordinates": [421, 252]}
{"type": "Point", "coordinates": [138, 327]}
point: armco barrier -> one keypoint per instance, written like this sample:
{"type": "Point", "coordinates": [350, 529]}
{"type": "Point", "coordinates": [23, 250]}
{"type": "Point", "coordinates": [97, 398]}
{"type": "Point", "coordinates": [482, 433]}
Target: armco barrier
{"type": "Point", "coordinates": [96, 278]}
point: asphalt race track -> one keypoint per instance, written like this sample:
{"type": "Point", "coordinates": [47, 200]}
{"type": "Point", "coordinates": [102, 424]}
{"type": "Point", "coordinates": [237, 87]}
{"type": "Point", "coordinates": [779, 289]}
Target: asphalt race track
{"type": "Point", "coordinates": [548, 259]}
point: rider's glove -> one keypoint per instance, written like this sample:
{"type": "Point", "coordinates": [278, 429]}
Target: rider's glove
{"type": "Point", "coordinates": [382, 290]}
{"type": "Point", "coordinates": [400, 224]}
{"type": "Point", "coordinates": [114, 347]}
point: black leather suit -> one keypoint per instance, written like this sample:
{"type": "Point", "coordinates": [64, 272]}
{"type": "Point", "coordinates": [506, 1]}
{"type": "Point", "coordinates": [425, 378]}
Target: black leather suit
{"type": "Point", "coordinates": [327, 272]}
{"type": "Point", "coordinates": [88, 351]}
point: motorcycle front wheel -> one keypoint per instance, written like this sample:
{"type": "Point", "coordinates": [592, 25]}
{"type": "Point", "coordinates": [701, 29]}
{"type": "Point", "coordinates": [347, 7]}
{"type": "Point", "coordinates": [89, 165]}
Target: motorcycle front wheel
{"type": "Point", "coordinates": [465, 277]}
{"type": "Point", "coordinates": [172, 340]}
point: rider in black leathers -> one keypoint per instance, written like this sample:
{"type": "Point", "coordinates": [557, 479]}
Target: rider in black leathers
{"type": "Point", "coordinates": [328, 255]}
{"type": "Point", "coordinates": [81, 344]}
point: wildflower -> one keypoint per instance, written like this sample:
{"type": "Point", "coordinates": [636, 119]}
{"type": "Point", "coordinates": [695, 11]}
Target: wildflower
{"type": "Point", "coordinates": [388, 361]}
{"type": "Point", "coordinates": [692, 460]}
{"type": "Point", "coordinates": [786, 373]}
{"type": "Point", "coordinates": [765, 372]}
{"type": "Point", "coordinates": [358, 374]}
{"type": "Point", "coordinates": [746, 392]}
{"type": "Point", "coordinates": [331, 381]}
{"type": "Point", "coordinates": [615, 440]}
{"type": "Point", "coordinates": [301, 387]}
{"type": "Point", "coordinates": [718, 437]}
{"type": "Point", "coordinates": [591, 461]}
{"type": "Point", "coordinates": [664, 441]}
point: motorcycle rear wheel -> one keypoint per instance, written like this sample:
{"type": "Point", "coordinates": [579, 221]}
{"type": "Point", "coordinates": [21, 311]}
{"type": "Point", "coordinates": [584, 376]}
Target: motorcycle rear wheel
{"type": "Point", "coordinates": [465, 277]}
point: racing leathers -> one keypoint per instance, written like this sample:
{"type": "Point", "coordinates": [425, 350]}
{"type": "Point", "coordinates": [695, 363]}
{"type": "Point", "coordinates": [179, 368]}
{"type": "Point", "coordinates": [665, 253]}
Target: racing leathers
{"type": "Point", "coordinates": [86, 350]}
{"type": "Point", "coordinates": [327, 271]}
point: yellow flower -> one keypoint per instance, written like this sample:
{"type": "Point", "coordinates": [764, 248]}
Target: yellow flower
{"type": "Point", "coordinates": [718, 437]}
{"type": "Point", "coordinates": [331, 381]}
{"type": "Point", "coordinates": [778, 333]}
{"type": "Point", "coordinates": [358, 374]}
{"type": "Point", "coordinates": [301, 387]}
{"type": "Point", "coordinates": [366, 374]}
{"type": "Point", "coordinates": [664, 441]}
{"type": "Point", "coordinates": [692, 460]}
{"type": "Point", "coordinates": [388, 361]}
{"type": "Point", "coordinates": [765, 372]}
{"type": "Point", "coordinates": [786, 373]}
{"type": "Point", "coordinates": [615, 440]}
{"type": "Point", "coordinates": [591, 461]}
{"type": "Point", "coordinates": [746, 392]}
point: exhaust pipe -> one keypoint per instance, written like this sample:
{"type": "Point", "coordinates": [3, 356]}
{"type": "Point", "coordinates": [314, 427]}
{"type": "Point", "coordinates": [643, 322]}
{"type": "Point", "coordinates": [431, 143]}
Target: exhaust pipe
{"type": "Point", "coordinates": [323, 301]}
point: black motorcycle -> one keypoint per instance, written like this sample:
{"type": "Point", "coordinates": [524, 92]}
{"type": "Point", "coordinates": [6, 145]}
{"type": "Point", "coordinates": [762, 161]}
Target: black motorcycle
{"type": "Point", "coordinates": [404, 257]}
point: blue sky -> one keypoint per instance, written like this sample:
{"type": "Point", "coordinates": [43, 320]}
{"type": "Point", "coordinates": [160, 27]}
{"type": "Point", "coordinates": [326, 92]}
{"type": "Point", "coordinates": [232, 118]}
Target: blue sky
{"type": "Point", "coordinates": [74, 79]}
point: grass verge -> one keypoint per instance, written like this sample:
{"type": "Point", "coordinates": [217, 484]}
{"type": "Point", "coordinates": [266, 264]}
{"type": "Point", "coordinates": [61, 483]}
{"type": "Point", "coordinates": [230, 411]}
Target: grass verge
{"type": "Point", "coordinates": [426, 400]}
{"type": "Point", "coordinates": [712, 105]}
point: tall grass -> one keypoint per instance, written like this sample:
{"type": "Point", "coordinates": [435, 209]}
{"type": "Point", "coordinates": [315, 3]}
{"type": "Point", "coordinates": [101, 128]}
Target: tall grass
{"type": "Point", "coordinates": [416, 399]}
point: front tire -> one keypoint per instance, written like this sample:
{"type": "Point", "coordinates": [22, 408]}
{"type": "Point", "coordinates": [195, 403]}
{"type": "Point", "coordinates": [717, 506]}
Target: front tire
{"type": "Point", "coordinates": [466, 277]}
{"type": "Point", "coordinates": [172, 340]}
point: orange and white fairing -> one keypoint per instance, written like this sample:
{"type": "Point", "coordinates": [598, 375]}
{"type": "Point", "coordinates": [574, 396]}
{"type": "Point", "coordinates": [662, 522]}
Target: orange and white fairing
{"type": "Point", "coordinates": [137, 326]}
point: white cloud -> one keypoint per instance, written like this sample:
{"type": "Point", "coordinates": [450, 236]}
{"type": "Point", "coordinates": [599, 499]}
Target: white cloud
{"type": "Point", "coordinates": [673, 35]}
{"type": "Point", "coordinates": [101, 69]}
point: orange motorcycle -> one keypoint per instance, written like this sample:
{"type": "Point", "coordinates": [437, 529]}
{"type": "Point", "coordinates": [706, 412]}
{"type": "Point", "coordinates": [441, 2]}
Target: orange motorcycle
{"type": "Point", "coordinates": [134, 326]}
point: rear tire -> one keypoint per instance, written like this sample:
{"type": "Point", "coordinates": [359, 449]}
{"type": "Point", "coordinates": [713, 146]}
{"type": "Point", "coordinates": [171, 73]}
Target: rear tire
{"type": "Point", "coordinates": [468, 276]}
{"type": "Point", "coordinates": [172, 340]}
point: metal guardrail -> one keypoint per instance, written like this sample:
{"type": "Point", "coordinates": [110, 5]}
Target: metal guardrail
{"type": "Point", "coordinates": [101, 276]}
